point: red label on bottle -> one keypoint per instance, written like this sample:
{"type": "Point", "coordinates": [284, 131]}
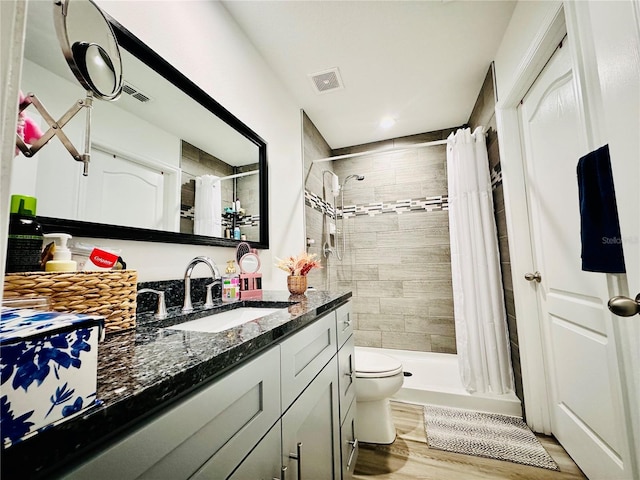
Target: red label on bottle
{"type": "Point", "coordinates": [103, 259]}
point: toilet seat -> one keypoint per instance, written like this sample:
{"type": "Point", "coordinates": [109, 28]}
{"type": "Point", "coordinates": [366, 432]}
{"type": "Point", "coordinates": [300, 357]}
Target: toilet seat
{"type": "Point", "coordinates": [376, 365]}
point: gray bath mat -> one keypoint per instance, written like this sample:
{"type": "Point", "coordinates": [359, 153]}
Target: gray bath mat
{"type": "Point", "coordinates": [484, 435]}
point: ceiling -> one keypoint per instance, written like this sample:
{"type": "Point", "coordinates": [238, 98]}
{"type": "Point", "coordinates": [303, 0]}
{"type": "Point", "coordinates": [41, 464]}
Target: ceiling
{"type": "Point", "coordinates": [421, 62]}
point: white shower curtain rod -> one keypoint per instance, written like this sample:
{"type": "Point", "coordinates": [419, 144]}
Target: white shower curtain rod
{"type": "Point", "coordinates": [389, 150]}
{"type": "Point", "coordinates": [238, 175]}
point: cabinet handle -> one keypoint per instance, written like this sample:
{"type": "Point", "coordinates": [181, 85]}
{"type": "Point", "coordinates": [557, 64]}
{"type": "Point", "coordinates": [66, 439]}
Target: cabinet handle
{"type": "Point", "coordinates": [298, 457]}
{"type": "Point", "coordinates": [283, 474]}
{"type": "Point", "coordinates": [354, 447]}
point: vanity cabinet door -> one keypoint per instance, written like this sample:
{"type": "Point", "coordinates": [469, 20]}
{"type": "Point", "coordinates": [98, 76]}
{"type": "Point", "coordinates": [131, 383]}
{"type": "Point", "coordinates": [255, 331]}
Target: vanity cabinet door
{"type": "Point", "coordinates": [349, 443]}
{"type": "Point", "coordinates": [304, 354]}
{"type": "Point", "coordinates": [217, 425]}
{"type": "Point", "coordinates": [344, 323]}
{"type": "Point", "coordinates": [346, 376]}
{"type": "Point", "coordinates": [311, 430]}
{"type": "Point", "coordinates": [262, 463]}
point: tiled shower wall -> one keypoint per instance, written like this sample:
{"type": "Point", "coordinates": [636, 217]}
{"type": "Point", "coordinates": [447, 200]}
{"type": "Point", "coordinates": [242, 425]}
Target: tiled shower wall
{"type": "Point", "coordinates": [315, 147]}
{"type": "Point", "coordinates": [397, 255]}
{"type": "Point", "coordinates": [484, 114]}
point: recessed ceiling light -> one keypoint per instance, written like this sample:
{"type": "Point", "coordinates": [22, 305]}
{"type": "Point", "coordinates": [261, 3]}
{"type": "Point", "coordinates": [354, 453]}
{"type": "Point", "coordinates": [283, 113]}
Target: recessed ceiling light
{"type": "Point", "coordinates": [387, 122]}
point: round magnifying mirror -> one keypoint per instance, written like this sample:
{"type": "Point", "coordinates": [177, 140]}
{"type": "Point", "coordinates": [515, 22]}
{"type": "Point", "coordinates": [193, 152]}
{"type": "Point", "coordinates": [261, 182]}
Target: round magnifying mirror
{"type": "Point", "coordinates": [249, 263]}
{"type": "Point", "coordinates": [89, 46]}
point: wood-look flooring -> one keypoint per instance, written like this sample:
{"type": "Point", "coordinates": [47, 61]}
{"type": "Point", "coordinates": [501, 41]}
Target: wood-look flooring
{"type": "Point", "coordinates": [409, 457]}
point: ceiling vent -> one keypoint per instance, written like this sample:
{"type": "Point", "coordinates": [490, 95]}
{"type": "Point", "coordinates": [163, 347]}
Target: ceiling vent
{"type": "Point", "coordinates": [135, 93]}
{"type": "Point", "coordinates": [326, 81]}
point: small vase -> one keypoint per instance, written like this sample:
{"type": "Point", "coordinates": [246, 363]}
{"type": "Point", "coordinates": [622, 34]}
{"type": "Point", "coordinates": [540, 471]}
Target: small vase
{"type": "Point", "coordinates": [297, 284]}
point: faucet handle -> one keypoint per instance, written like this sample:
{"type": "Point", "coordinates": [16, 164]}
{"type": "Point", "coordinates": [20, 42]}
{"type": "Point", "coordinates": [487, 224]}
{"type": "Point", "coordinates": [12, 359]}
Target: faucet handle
{"type": "Point", "coordinates": [161, 310]}
{"type": "Point", "coordinates": [209, 301]}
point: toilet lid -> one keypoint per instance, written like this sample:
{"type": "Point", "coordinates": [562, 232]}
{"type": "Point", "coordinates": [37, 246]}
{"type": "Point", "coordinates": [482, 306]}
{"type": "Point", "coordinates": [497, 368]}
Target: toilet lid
{"type": "Point", "coordinates": [370, 364]}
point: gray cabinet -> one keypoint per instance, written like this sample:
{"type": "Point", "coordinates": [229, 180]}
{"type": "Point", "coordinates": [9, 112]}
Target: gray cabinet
{"type": "Point", "coordinates": [346, 376]}
{"type": "Point", "coordinates": [349, 443]}
{"type": "Point", "coordinates": [262, 463]}
{"type": "Point", "coordinates": [344, 323]}
{"type": "Point", "coordinates": [311, 430]}
{"type": "Point", "coordinates": [304, 354]}
{"type": "Point", "coordinates": [218, 425]}
{"type": "Point", "coordinates": [346, 381]}
{"type": "Point", "coordinates": [253, 422]}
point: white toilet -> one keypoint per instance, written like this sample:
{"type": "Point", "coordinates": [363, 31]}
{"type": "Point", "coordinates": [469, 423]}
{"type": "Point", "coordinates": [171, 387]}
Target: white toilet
{"type": "Point", "coordinates": [378, 377]}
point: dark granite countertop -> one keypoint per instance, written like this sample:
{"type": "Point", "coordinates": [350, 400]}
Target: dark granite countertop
{"type": "Point", "coordinates": [144, 370]}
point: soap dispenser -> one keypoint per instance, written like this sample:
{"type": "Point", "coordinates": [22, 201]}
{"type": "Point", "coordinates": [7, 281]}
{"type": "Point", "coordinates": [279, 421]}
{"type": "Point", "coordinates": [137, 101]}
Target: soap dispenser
{"type": "Point", "coordinates": [61, 255]}
{"type": "Point", "coordinates": [230, 283]}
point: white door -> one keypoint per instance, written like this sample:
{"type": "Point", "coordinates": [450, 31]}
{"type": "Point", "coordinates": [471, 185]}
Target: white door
{"type": "Point", "coordinates": [616, 33]}
{"type": "Point", "coordinates": [118, 191]}
{"type": "Point", "coordinates": [580, 352]}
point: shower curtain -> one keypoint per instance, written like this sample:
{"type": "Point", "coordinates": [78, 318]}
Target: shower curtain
{"type": "Point", "coordinates": [482, 339]}
{"type": "Point", "coordinates": [208, 206]}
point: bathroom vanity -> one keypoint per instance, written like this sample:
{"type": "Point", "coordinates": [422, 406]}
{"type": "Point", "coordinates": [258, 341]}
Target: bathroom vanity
{"type": "Point", "coordinates": [271, 398]}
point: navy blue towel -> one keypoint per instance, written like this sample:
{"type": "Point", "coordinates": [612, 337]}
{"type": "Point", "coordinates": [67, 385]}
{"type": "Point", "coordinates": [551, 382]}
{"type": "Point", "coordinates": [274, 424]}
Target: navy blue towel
{"type": "Point", "coordinates": [599, 225]}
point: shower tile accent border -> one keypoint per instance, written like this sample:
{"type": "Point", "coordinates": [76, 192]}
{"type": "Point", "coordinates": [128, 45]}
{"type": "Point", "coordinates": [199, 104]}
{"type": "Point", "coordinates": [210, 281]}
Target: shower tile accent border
{"type": "Point", "coordinates": [496, 176]}
{"type": "Point", "coordinates": [317, 203]}
{"type": "Point", "coordinates": [430, 204]}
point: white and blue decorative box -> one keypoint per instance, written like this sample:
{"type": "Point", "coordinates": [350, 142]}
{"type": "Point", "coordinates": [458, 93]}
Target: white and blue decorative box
{"type": "Point", "coordinates": [48, 369]}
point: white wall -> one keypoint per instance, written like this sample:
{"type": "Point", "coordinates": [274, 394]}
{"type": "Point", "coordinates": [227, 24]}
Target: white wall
{"type": "Point", "coordinates": [514, 50]}
{"type": "Point", "coordinates": [201, 40]}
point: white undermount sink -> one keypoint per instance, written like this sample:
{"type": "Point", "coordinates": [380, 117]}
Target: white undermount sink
{"type": "Point", "coordinates": [219, 322]}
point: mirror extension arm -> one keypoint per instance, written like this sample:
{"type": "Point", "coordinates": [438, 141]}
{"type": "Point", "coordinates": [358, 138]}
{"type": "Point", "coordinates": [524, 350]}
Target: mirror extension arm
{"type": "Point", "coordinates": [55, 129]}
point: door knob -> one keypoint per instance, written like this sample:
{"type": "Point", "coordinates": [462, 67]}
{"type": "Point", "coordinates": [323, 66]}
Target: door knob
{"type": "Point", "coordinates": [533, 276]}
{"type": "Point", "coordinates": [624, 306]}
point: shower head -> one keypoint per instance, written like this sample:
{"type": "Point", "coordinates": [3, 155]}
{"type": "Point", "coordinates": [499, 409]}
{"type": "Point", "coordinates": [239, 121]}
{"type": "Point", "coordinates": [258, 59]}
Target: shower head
{"type": "Point", "coordinates": [349, 177]}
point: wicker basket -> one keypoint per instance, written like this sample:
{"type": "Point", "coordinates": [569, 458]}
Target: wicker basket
{"type": "Point", "coordinates": [111, 294]}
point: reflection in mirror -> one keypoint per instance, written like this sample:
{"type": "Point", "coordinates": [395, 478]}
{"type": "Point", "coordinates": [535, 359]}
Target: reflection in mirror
{"type": "Point", "coordinates": [96, 66]}
{"type": "Point", "coordinates": [151, 148]}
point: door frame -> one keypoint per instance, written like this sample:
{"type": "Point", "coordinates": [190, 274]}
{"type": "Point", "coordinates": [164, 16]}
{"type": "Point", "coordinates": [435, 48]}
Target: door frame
{"type": "Point", "coordinates": [565, 18]}
{"type": "Point", "coordinates": [530, 334]}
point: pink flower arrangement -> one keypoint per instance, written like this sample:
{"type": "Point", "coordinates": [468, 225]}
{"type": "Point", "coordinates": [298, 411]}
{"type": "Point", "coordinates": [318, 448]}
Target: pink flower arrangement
{"type": "Point", "coordinates": [300, 265]}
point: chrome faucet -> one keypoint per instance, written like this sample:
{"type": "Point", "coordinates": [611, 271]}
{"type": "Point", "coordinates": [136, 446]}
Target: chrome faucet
{"type": "Point", "coordinates": [187, 306]}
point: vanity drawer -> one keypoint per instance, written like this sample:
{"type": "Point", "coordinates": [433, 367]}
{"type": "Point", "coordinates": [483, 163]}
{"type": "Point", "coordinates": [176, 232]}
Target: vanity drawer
{"type": "Point", "coordinates": [219, 425]}
{"type": "Point", "coordinates": [344, 323]}
{"type": "Point", "coordinates": [346, 376]}
{"type": "Point", "coordinates": [304, 354]}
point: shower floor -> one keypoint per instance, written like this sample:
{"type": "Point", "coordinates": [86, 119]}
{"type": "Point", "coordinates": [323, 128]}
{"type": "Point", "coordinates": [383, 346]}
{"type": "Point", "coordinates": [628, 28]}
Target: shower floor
{"type": "Point", "coordinates": [435, 380]}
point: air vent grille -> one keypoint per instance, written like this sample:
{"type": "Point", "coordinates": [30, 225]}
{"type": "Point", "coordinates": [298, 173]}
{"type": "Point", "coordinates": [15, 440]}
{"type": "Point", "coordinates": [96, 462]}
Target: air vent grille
{"type": "Point", "coordinates": [327, 81]}
{"type": "Point", "coordinates": [135, 93]}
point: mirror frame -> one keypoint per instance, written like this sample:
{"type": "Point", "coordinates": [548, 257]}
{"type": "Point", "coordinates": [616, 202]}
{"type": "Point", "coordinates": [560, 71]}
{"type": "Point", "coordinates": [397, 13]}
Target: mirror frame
{"type": "Point", "coordinates": [142, 52]}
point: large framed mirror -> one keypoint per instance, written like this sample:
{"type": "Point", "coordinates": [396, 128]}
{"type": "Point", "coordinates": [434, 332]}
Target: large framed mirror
{"type": "Point", "coordinates": [168, 163]}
